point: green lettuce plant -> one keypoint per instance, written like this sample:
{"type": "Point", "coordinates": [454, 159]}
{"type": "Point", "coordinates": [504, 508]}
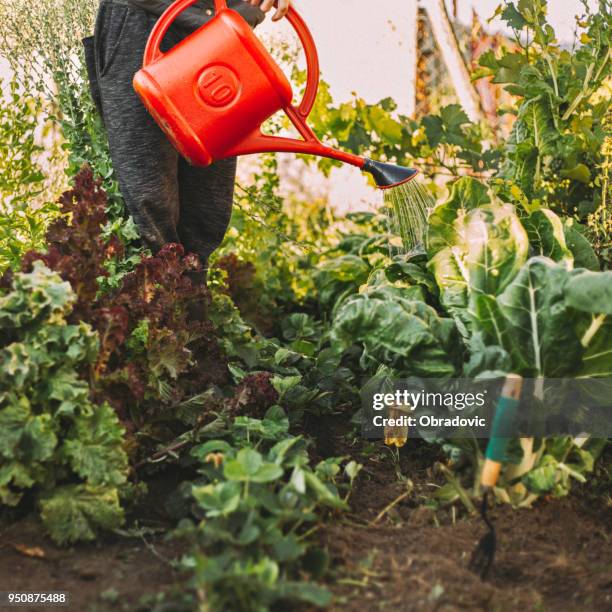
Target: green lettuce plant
{"type": "Point", "coordinates": [394, 326]}
{"type": "Point", "coordinates": [55, 443]}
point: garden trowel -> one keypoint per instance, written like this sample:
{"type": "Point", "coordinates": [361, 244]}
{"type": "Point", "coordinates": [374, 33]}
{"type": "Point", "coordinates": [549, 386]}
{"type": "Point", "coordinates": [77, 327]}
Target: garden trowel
{"type": "Point", "coordinates": [504, 423]}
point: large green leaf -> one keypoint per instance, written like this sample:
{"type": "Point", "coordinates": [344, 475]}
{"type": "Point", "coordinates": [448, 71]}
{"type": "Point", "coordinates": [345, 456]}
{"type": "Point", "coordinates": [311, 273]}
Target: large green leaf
{"type": "Point", "coordinates": [489, 248]}
{"type": "Point", "coordinates": [39, 438]}
{"type": "Point", "coordinates": [94, 448]}
{"type": "Point", "coordinates": [596, 334]}
{"type": "Point", "coordinates": [539, 320]}
{"type": "Point", "coordinates": [584, 255]}
{"type": "Point", "coordinates": [590, 292]}
{"type": "Point", "coordinates": [65, 386]}
{"type": "Point", "coordinates": [497, 247]}
{"type": "Point", "coordinates": [14, 416]}
{"type": "Point", "coordinates": [489, 361]}
{"type": "Point", "coordinates": [452, 277]}
{"type": "Point", "coordinates": [466, 194]}
{"type": "Point", "coordinates": [490, 324]}
{"type": "Point", "coordinates": [339, 275]}
{"type": "Point", "coordinates": [14, 478]}
{"type": "Point", "coordinates": [77, 512]}
{"type": "Point", "coordinates": [547, 236]}
{"type": "Point", "coordinates": [403, 333]}
{"type": "Point", "coordinates": [537, 114]}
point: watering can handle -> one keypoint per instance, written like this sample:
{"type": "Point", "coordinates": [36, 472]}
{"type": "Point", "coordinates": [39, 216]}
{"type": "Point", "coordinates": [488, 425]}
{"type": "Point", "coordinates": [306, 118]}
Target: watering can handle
{"type": "Point", "coordinates": [153, 51]}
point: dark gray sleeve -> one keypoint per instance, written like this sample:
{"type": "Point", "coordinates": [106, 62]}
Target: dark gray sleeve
{"type": "Point", "coordinates": [199, 14]}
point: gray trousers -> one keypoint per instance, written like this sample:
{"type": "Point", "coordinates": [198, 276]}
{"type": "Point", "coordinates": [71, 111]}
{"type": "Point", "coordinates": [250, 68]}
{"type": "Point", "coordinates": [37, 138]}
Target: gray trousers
{"type": "Point", "coordinates": [169, 200]}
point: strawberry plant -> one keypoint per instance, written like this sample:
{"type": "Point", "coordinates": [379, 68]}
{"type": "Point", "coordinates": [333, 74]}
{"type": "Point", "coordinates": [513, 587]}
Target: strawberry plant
{"type": "Point", "coordinates": [257, 502]}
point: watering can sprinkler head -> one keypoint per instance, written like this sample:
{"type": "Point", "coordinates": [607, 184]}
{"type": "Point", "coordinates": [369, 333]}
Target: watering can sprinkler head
{"type": "Point", "coordinates": [388, 175]}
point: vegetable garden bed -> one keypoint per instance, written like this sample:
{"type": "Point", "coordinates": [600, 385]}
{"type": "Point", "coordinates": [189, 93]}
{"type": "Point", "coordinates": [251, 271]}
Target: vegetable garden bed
{"type": "Point", "coordinates": [170, 445]}
{"type": "Point", "coordinates": [554, 556]}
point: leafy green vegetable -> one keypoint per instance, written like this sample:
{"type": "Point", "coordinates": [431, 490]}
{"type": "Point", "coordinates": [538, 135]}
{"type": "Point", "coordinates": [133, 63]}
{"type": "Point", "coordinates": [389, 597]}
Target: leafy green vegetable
{"type": "Point", "coordinates": [547, 236]}
{"type": "Point", "coordinates": [475, 247]}
{"type": "Point", "coordinates": [534, 308]}
{"type": "Point", "coordinates": [256, 500]}
{"type": "Point", "coordinates": [590, 292]}
{"type": "Point", "coordinates": [51, 433]}
{"type": "Point", "coordinates": [78, 512]}
{"type": "Point", "coordinates": [394, 326]}
{"type": "Point", "coordinates": [582, 251]}
{"type": "Point", "coordinates": [465, 194]}
{"type": "Point", "coordinates": [338, 276]}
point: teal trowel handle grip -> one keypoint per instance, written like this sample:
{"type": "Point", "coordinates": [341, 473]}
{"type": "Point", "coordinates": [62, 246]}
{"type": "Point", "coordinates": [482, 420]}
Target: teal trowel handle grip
{"type": "Point", "coordinates": [504, 423]}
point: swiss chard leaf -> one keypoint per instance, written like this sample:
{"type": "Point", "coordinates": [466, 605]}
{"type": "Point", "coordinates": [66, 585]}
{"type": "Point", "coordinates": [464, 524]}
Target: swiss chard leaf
{"type": "Point", "coordinates": [538, 320]}
{"type": "Point", "coordinates": [546, 234]}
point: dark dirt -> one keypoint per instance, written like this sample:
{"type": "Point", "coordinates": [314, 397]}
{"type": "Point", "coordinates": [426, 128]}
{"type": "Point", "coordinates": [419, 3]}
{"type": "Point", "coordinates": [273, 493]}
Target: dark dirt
{"type": "Point", "coordinates": [120, 573]}
{"type": "Point", "coordinates": [555, 556]}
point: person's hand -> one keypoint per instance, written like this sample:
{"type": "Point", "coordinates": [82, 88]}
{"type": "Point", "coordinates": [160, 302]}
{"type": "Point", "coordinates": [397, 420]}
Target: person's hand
{"type": "Point", "coordinates": [282, 6]}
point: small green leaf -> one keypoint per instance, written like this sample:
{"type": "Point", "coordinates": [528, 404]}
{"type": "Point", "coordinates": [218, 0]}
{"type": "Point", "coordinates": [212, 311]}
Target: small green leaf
{"type": "Point", "coordinates": [218, 499]}
{"type": "Point", "coordinates": [580, 173]}
{"type": "Point", "coordinates": [267, 473]}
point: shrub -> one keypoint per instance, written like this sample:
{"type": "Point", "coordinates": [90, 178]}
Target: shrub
{"type": "Point", "coordinates": [54, 441]}
{"type": "Point", "coordinates": [24, 213]}
{"type": "Point", "coordinates": [153, 350]}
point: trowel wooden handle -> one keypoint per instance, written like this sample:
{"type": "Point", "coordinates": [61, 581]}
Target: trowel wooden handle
{"type": "Point", "coordinates": [503, 425]}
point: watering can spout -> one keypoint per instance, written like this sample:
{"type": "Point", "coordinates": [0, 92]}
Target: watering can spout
{"type": "Point", "coordinates": [388, 175]}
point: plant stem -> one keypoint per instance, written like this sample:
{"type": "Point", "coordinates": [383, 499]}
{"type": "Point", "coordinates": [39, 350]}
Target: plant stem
{"type": "Point", "coordinates": [388, 507]}
{"type": "Point", "coordinates": [596, 323]}
{"type": "Point", "coordinates": [552, 73]}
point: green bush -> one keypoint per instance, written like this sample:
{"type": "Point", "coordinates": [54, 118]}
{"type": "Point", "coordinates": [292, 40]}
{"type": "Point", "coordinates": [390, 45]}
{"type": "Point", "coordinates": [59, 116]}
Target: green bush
{"type": "Point", "coordinates": [54, 442]}
{"type": "Point", "coordinates": [23, 217]}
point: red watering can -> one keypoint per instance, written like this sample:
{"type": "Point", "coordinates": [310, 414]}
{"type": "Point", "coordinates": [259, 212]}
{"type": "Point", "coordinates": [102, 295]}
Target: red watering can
{"type": "Point", "coordinates": [211, 93]}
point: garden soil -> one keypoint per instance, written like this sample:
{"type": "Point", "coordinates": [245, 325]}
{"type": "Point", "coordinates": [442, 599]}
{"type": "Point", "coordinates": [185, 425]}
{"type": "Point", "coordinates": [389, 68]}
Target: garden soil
{"type": "Point", "coordinates": [554, 556]}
